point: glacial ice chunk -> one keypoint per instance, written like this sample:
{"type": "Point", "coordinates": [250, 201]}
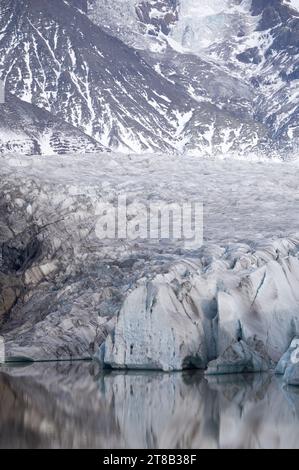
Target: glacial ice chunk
{"type": "Point", "coordinates": [239, 358]}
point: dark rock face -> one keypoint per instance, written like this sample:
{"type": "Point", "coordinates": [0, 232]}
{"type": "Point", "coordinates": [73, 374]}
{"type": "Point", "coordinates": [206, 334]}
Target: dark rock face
{"type": "Point", "coordinates": [81, 4]}
{"type": "Point", "coordinates": [19, 253]}
{"type": "Point", "coordinates": [288, 38]}
{"type": "Point", "coordinates": [168, 14]}
{"type": "Point", "coordinates": [274, 12]}
{"type": "Point", "coordinates": [251, 56]}
{"type": "Point", "coordinates": [283, 23]}
{"type": "Point", "coordinates": [10, 290]}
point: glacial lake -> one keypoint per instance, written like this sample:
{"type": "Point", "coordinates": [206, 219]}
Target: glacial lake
{"type": "Point", "coordinates": [71, 405]}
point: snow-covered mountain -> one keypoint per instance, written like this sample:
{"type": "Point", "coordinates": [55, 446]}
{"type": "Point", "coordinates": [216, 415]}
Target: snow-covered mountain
{"type": "Point", "coordinates": [256, 41]}
{"type": "Point", "coordinates": [27, 129]}
{"type": "Point", "coordinates": [205, 77]}
{"type": "Point", "coordinates": [242, 55]}
{"type": "Point", "coordinates": [54, 57]}
{"type": "Point", "coordinates": [136, 22]}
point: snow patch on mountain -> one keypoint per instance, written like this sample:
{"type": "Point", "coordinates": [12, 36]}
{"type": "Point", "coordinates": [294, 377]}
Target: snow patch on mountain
{"type": "Point", "coordinates": [293, 3]}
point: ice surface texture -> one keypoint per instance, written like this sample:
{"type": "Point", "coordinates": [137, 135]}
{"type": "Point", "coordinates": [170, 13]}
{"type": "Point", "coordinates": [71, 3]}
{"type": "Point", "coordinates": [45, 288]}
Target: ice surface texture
{"type": "Point", "coordinates": [235, 302]}
{"type": "Point", "coordinates": [62, 288]}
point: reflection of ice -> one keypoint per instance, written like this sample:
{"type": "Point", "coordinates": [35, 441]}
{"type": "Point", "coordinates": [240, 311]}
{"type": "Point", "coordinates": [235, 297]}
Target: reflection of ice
{"type": "Point", "coordinates": [156, 410]}
{"type": "Point", "coordinates": [64, 405]}
{"type": "Point", "coordinates": [186, 411]}
{"type": "Point", "coordinates": [255, 413]}
{"type": "Point", "coordinates": [2, 350]}
{"type": "Point", "coordinates": [292, 396]}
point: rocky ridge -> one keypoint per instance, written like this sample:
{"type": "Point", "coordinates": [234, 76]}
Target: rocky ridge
{"type": "Point", "coordinates": [28, 129]}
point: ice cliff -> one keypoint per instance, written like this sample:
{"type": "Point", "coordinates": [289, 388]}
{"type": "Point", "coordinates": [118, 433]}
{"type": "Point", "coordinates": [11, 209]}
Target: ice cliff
{"type": "Point", "coordinates": [235, 303]}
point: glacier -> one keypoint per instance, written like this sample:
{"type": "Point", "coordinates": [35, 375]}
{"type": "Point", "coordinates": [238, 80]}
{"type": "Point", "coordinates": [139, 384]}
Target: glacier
{"type": "Point", "coordinates": [288, 366]}
{"type": "Point", "coordinates": [66, 294]}
{"type": "Point", "coordinates": [240, 307]}
{"type": "Point", "coordinates": [206, 23]}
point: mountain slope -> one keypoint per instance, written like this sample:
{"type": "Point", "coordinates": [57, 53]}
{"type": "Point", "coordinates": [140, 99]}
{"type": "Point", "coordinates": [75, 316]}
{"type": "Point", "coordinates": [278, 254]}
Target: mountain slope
{"type": "Point", "coordinates": [136, 22]}
{"type": "Point", "coordinates": [258, 42]}
{"type": "Point", "coordinates": [273, 67]}
{"type": "Point", "coordinates": [27, 129]}
{"type": "Point", "coordinates": [207, 77]}
{"type": "Point", "coordinates": [54, 56]}
{"type": "Point", "coordinates": [241, 55]}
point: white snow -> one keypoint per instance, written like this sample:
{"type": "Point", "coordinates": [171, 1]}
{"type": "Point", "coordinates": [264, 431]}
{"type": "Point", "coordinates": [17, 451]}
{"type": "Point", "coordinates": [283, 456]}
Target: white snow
{"type": "Point", "coordinates": [154, 13]}
{"type": "Point", "coordinates": [165, 98]}
{"type": "Point", "coordinates": [207, 22]}
{"type": "Point", "coordinates": [291, 132]}
{"type": "Point", "coordinates": [182, 120]}
{"type": "Point", "coordinates": [45, 144]}
{"type": "Point", "coordinates": [27, 96]}
{"type": "Point", "coordinates": [293, 3]}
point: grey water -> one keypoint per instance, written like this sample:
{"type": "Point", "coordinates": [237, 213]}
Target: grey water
{"type": "Point", "coordinates": [71, 405]}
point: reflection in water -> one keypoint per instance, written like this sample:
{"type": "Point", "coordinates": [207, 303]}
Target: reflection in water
{"type": "Point", "coordinates": [66, 405]}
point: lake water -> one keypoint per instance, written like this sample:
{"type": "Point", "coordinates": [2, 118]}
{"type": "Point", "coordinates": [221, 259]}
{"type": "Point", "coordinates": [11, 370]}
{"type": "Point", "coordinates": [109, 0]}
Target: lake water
{"type": "Point", "coordinates": [65, 405]}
